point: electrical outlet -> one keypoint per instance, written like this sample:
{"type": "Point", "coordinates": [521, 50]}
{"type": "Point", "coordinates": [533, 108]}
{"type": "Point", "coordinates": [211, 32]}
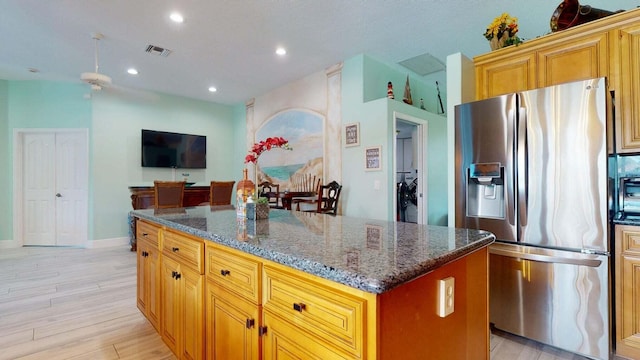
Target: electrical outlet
{"type": "Point", "coordinates": [446, 291]}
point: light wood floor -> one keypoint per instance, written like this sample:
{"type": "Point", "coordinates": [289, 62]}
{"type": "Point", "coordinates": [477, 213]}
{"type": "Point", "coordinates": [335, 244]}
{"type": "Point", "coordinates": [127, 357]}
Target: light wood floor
{"type": "Point", "coordinates": [68, 303]}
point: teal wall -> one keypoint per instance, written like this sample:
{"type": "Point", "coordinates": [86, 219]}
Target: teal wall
{"type": "Point", "coordinates": [362, 79]}
{"type": "Point", "coordinates": [114, 120]}
{"type": "Point", "coordinates": [42, 105]}
{"type": "Point", "coordinates": [376, 75]}
{"type": "Point", "coordinates": [6, 198]}
{"type": "Point", "coordinates": [118, 119]}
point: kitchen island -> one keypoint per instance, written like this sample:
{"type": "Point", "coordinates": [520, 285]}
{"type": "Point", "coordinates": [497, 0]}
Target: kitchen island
{"type": "Point", "coordinates": [306, 285]}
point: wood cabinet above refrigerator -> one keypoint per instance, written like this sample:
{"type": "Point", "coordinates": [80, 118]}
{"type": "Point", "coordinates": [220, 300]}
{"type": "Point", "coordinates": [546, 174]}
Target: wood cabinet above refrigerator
{"type": "Point", "coordinates": [601, 48]}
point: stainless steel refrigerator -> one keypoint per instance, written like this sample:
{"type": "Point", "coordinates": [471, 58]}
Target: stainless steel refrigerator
{"type": "Point", "coordinates": [531, 167]}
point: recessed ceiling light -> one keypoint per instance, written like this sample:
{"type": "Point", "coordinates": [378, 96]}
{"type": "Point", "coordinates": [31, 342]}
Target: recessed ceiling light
{"type": "Point", "coordinates": [281, 51]}
{"type": "Point", "coordinates": [176, 17]}
{"type": "Point", "coordinates": [132, 71]}
{"type": "Point", "coordinates": [212, 89]}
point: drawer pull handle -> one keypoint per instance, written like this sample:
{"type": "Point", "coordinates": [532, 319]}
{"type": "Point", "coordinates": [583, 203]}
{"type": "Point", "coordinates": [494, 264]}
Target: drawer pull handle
{"type": "Point", "coordinates": [299, 307]}
{"type": "Point", "coordinates": [145, 234]}
{"type": "Point", "coordinates": [176, 275]}
{"type": "Point", "coordinates": [225, 272]}
{"type": "Point", "coordinates": [250, 323]}
{"type": "Point", "coordinates": [145, 254]}
{"type": "Point", "coordinates": [175, 249]}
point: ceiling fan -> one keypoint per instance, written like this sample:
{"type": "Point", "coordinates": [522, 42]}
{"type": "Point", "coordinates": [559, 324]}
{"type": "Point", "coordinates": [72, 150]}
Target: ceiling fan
{"type": "Point", "coordinates": [95, 79]}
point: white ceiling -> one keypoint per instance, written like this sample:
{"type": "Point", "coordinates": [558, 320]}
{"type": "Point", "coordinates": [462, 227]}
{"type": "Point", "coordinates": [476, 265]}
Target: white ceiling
{"type": "Point", "coordinates": [230, 44]}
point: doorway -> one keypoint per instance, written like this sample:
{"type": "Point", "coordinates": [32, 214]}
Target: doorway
{"type": "Point", "coordinates": [409, 186]}
{"type": "Point", "coordinates": [51, 187]}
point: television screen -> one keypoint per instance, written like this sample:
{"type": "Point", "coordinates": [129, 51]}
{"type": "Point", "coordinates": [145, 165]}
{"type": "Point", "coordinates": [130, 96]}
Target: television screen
{"type": "Point", "coordinates": [173, 150]}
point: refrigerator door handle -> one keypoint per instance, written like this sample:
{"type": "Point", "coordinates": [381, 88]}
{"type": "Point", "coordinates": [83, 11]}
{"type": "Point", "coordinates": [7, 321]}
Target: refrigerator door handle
{"type": "Point", "coordinates": [541, 256]}
{"type": "Point", "coordinates": [523, 165]}
{"type": "Point", "coordinates": [511, 183]}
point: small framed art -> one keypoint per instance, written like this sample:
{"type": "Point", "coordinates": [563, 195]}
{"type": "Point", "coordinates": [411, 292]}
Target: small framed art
{"type": "Point", "coordinates": [352, 134]}
{"type": "Point", "coordinates": [373, 158]}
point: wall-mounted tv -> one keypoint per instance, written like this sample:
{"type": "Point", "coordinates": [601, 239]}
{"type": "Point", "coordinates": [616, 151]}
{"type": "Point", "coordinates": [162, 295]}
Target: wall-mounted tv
{"type": "Point", "coordinates": [173, 150]}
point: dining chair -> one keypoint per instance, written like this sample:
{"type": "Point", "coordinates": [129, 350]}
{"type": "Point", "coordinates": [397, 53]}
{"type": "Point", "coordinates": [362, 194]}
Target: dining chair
{"type": "Point", "coordinates": [220, 192]}
{"type": "Point", "coordinates": [327, 199]}
{"type": "Point", "coordinates": [305, 183]}
{"type": "Point", "coordinates": [270, 191]}
{"type": "Point", "coordinates": [168, 194]}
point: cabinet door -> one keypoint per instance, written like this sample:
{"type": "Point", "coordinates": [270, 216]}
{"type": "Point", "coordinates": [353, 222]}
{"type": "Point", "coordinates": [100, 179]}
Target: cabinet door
{"type": "Point", "coordinates": [572, 60]}
{"type": "Point", "coordinates": [171, 304]}
{"type": "Point", "coordinates": [148, 282]}
{"type": "Point", "coordinates": [192, 311]}
{"type": "Point", "coordinates": [505, 75]}
{"type": "Point", "coordinates": [627, 106]}
{"type": "Point", "coordinates": [153, 290]}
{"type": "Point", "coordinates": [142, 278]}
{"type": "Point", "coordinates": [627, 291]}
{"type": "Point", "coordinates": [232, 326]}
{"type": "Point", "coordinates": [283, 341]}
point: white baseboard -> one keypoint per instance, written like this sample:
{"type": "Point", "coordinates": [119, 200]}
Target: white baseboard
{"type": "Point", "coordinates": [9, 244]}
{"type": "Point", "coordinates": [102, 243]}
{"type": "Point", "coordinates": [95, 244]}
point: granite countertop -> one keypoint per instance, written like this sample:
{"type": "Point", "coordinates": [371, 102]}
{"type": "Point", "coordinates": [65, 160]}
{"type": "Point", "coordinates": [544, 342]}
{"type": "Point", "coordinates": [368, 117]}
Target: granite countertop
{"type": "Point", "coordinates": [370, 255]}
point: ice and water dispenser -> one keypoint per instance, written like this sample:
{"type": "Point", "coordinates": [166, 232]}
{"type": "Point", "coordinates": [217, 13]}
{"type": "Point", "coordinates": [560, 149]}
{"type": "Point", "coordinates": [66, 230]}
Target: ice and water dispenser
{"type": "Point", "coordinates": [485, 190]}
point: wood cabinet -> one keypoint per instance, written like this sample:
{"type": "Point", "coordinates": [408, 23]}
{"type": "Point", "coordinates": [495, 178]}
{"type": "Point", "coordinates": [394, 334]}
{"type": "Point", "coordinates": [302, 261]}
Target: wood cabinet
{"type": "Point", "coordinates": [325, 314]}
{"type": "Point", "coordinates": [222, 303]}
{"type": "Point", "coordinates": [608, 47]}
{"type": "Point", "coordinates": [283, 340]}
{"type": "Point", "coordinates": [627, 105]}
{"type": "Point", "coordinates": [504, 75]}
{"type": "Point", "coordinates": [182, 294]}
{"type": "Point", "coordinates": [627, 287]}
{"type": "Point", "coordinates": [148, 275]}
{"type": "Point", "coordinates": [554, 60]}
{"type": "Point", "coordinates": [233, 304]}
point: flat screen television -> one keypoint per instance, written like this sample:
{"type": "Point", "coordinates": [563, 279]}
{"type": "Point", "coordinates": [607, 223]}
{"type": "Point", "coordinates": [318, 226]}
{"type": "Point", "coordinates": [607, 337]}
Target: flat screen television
{"type": "Point", "coordinates": [173, 150]}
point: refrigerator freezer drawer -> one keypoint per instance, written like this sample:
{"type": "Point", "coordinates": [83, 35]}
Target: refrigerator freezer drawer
{"type": "Point", "coordinates": [559, 298]}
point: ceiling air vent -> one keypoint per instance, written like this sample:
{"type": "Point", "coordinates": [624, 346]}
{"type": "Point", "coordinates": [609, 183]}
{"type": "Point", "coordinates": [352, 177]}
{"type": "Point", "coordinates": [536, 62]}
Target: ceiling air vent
{"type": "Point", "coordinates": [157, 50]}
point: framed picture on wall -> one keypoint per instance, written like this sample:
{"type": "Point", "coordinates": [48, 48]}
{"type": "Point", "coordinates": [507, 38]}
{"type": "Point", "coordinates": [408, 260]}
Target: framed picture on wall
{"type": "Point", "coordinates": [373, 158]}
{"type": "Point", "coordinates": [352, 134]}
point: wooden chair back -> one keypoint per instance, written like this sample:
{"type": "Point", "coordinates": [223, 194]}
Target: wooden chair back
{"type": "Point", "coordinates": [270, 191]}
{"type": "Point", "coordinates": [306, 183]}
{"type": "Point", "coordinates": [168, 194]}
{"type": "Point", "coordinates": [328, 196]}
{"type": "Point", "coordinates": [220, 192]}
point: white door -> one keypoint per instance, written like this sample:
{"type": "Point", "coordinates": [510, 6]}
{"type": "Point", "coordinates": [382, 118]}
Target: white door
{"type": "Point", "coordinates": [55, 181]}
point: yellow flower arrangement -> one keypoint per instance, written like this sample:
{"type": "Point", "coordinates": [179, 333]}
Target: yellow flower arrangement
{"type": "Point", "coordinates": [503, 29]}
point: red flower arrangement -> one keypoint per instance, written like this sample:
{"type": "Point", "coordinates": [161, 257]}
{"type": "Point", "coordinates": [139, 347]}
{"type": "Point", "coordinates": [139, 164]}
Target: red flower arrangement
{"type": "Point", "coordinates": [266, 145]}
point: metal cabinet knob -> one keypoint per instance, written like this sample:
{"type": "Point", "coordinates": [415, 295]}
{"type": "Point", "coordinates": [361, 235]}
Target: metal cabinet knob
{"type": "Point", "coordinates": [58, 195]}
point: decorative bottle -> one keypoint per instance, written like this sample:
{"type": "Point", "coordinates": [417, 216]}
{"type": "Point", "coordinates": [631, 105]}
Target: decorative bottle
{"type": "Point", "coordinates": [244, 191]}
{"type": "Point", "coordinates": [390, 90]}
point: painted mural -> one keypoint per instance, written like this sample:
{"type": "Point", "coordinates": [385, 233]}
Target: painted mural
{"type": "Point", "coordinates": [304, 130]}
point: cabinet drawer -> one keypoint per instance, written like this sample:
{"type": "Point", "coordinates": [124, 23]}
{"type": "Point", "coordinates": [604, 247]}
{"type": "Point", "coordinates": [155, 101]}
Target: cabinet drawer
{"type": "Point", "coordinates": [188, 251]}
{"type": "Point", "coordinates": [630, 239]}
{"type": "Point", "coordinates": [285, 341]}
{"type": "Point", "coordinates": [147, 231]}
{"type": "Point", "coordinates": [334, 316]}
{"type": "Point", "coordinates": [238, 274]}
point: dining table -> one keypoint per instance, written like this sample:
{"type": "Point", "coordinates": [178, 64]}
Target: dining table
{"type": "Point", "coordinates": [287, 197]}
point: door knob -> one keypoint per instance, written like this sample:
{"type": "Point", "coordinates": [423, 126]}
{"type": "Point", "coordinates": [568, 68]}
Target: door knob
{"type": "Point", "coordinates": [58, 195]}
